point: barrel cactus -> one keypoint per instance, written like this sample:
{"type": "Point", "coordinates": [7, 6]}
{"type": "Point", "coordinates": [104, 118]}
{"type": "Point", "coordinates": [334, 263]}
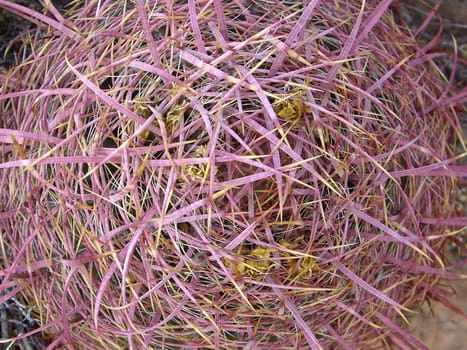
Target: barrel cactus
{"type": "Point", "coordinates": [225, 175]}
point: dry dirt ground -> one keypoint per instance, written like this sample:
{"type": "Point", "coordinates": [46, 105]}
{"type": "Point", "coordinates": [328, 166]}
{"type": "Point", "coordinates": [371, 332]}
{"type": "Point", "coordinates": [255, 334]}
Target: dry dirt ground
{"type": "Point", "coordinates": [441, 328]}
